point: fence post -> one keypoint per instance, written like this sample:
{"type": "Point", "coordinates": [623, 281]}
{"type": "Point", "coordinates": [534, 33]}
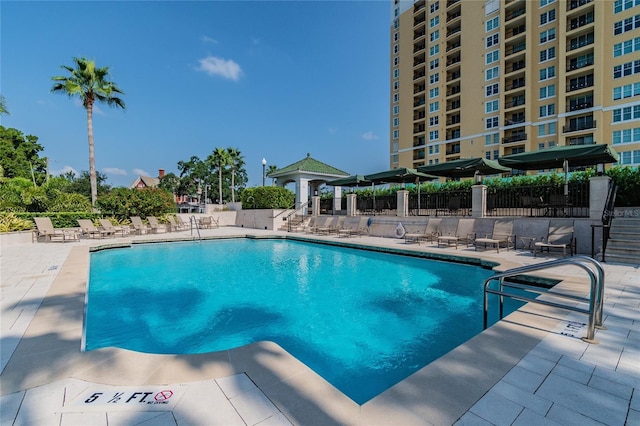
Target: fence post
{"type": "Point", "coordinates": [598, 190]}
{"type": "Point", "coordinates": [403, 203]}
{"type": "Point", "coordinates": [478, 200]}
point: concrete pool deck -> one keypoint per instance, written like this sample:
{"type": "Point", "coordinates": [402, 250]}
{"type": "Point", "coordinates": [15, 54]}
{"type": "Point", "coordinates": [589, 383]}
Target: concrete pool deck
{"type": "Point", "coordinates": [530, 368]}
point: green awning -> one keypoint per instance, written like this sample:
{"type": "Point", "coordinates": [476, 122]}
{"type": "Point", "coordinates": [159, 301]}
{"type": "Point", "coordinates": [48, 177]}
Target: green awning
{"type": "Point", "coordinates": [400, 175]}
{"type": "Point", "coordinates": [464, 167]}
{"type": "Point", "coordinates": [353, 180]}
{"type": "Point", "coordinates": [554, 158]}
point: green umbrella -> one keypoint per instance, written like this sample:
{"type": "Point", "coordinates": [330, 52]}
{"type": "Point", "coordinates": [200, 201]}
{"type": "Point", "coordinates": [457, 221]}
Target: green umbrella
{"type": "Point", "coordinates": [350, 181]}
{"type": "Point", "coordinates": [464, 167]}
{"type": "Point", "coordinates": [554, 158]}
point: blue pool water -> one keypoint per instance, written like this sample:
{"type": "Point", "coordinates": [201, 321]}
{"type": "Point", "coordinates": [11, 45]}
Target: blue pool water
{"type": "Point", "coordinates": [362, 320]}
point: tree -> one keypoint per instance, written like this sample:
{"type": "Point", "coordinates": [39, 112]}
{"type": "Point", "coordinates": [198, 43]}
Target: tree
{"type": "Point", "coordinates": [272, 168]}
{"type": "Point", "coordinates": [90, 84]}
{"type": "Point", "coordinates": [219, 158]}
{"type": "Point", "coordinates": [3, 106]}
{"type": "Point", "coordinates": [193, 173]}
{"type": "Point", "coordinates": [169, 182]}
{"type": "Point", "coordinates": [237, 162]}
{"type": "Point", "coordinates": [19, 156]}
{"type": "Point", "coordinates": [82, 184]}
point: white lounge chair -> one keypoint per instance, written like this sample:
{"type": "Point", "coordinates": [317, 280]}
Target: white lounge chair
{"type": "Point", "coordinates": [502, 234]}
{"type": "Point", "coordinates": [106, 225]}
{"type": "Point", "coordinates": [430, 233]}
{"type": "Point", "coordinates": [88, 229]}
{"type": "Point", "coordinates": [46, 230]}
{"type": "Point", "coordinates": [463, 234]}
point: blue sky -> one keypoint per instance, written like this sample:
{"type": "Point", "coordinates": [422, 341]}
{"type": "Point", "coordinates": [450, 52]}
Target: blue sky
{"type": "Point", "coordinates": [275, 79]}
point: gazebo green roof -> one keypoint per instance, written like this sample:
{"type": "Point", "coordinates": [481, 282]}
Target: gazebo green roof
{"type": "Point", "coordinates": [309, 165]}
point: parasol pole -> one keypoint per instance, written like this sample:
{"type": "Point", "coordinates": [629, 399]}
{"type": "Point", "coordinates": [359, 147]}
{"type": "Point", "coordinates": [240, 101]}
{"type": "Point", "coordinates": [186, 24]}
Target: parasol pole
{"type": "Point", "coordinates": [565, 166]}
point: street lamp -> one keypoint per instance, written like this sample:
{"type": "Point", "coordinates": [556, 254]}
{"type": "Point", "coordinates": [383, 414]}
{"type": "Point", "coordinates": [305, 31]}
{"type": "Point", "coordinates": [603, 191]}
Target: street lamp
{"type": "Point", "coordinates": [264, 165]}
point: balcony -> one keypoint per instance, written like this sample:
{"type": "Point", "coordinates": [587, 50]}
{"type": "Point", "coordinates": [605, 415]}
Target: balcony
{"type": "Point", "coordinates": [515, 48]}
{"type": "Point", "coordinates": [418, 129]}
{"type": "Point", "coordinates": [514, 120]}
{"type": "Point", "coordinates": [453, 149]}
{"type": "Point", "coordinates": [418, 141]}
{"type": "Point", "coordinates": [418, 154]}
{"type": "Point", "coordinates": [453, 16]}
{"type": "Point", "coordinates": [515, 14]}
{"type": "Point", "coordinates": [516, 83]}
{"type": "Point", "coordinates": [574, 4]}
{"type": "Point", "coordinates": [419, 34]}
{"type": "Point", "coordinates": [515, 102]}
{"type": "Point", "coordinates": [581, 62]}
{"type": "Point", "coordinates": [578, 85]}
{"type": "Point", "coordinates": [419, 115]}
{"type": "Point", "coordinates": [419, 5]}
{"type": "Point", "coordinates": [515, 66]}
{"type": "Point", "coordinates": [515, 137]}
{"type": "Point", "coordinates": [417, 74]}
{"type": "Point", "coordinates": [419, 61]}
{"type": "Point", "coordinates": [453, 91]}
{"type": "Point", "coordinates": [453, 120]}
{"type": "Point", "coordinates": [418, 47]}
{"type": "Point", "coordinates": [418, 89]}
{"type": "Point", "coordinates": [453, 61]}
{"type": "Point", "coordinates": [453, 105]}
{"type": "Point", "coordinates": [577, 127]}
{"type": "Point", "coordinates": [452, 46]}
{"type": "Point", "coordinates": [453, 76]}
{"type": "Point", "coordinates": [580, 42]}
{"type": "Point", "coordinates": [581, 21]}
{"type": "Point", "coordinates": [453, 31]}
{"type": "Point", "coordinates": [418, 102]}
{"type": "Point", "coordinates": [518, 29]}
{"type": "Point", "coordinates": [577, 106]}
{"type": "Point", "coordinates": [451, 3]}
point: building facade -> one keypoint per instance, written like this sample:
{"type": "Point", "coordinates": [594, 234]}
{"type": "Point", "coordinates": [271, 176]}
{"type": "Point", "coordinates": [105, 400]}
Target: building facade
{"type": "Point", "coordinates": [472, 78]}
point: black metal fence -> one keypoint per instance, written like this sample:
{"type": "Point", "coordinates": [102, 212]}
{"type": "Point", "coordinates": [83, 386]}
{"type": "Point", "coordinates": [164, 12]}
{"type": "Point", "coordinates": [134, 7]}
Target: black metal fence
{"type": "Point", "coordinates": [443, 203]}
{"type": "Point", "coordinates": [541, 200]}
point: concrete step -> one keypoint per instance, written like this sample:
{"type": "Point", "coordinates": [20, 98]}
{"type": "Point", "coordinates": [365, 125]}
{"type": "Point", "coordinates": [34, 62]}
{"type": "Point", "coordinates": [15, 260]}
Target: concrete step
{"type": "Point", "coordinates": [622, 258]}
{"type": "Point", "coordinates": [624, 242]}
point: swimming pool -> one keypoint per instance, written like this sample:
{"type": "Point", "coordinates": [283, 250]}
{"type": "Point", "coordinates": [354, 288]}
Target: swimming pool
{"type": "Point", "coordinates": [362, 320]}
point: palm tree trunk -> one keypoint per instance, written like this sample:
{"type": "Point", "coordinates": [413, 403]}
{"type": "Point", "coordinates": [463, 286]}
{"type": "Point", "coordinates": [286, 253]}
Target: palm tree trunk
{"type": "Point", "coordinates": [92, 156]}
{"type": "Point", "coordinates": [220, 183]}
{"type": "Point", "coordinates": [233, 186]}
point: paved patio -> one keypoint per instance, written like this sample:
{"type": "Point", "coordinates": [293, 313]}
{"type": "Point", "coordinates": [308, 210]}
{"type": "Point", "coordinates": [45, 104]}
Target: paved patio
{"type": "Point", "coordinates": [531, 368]}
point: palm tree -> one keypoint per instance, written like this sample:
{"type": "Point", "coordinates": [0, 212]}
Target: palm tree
{"type": "Point", "coordinates": [220, 158]}
{"type": "Point", "coordinates": [90, 84]}
{"type": "Point", "coordinates": [236, 162]}
{"type": "Point", "coordinates": [3, 106]}
{"type": "Point", "coordinates": [272, 168]}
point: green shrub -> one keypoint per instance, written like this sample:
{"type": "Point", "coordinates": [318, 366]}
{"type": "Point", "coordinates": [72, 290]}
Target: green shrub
{"type": "Point", "coordinates": [125, 202]}
{"type": "Point", "coordinates": [9, 222]}
{"type": "Point", "coordinates": [267, 197]}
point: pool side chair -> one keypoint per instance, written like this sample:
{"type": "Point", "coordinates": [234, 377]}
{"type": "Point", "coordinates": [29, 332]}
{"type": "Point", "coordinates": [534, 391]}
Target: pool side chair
{"type": "Point", "coordinates": [464, 234]}
{"type": "Point", "coordinates": [430, 232]}
{"type": "Point", "coordinates": [502, 234]}
{"type": "Point", "coordinates": [354, 225]}
{"type": "Point", "coordinates": [45, 229]}
{"type": "Point", "coordinates": [320, 222]}
{"type": "Point", "coordinates": [89, 230]}
{"type": "Point", "coordinates": [154, 225]}
{"type": "Point", "coordinates": [560, 236]}
{"type": "Point", "coordinates": [106, 225]}
{"type": "Point", "coordinates": [172, 225]}
{"type": "Point", "coordinates": [329, 226]}
{"type": "Point", "coordinates": [139, 228]}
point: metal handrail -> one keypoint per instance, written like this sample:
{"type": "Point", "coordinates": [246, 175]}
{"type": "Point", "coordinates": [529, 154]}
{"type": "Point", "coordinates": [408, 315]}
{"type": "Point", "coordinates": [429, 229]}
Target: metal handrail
{"type": "Point", "coordinates": [592, 267]}
{"type": "Point", "coordinates": [194, 222]}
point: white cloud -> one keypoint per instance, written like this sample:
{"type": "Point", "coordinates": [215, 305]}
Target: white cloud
{"type": "Point", "coordinates": [114, 171]}
{"type": "Point", "coordinates": [207, 39]}
{"type": "Point", "coordinates": [226, 68]}
{"type": "Point", "coordinates": [64, 170]}
{"type": "Point", "coordinates": [140, 172]}
{"type": "Point", "coordinates": [369, 136]}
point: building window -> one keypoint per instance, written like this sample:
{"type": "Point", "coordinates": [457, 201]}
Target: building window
{"type": "Point", "coordinates": [396, 85]}
{"type": "Point", "coordinates": [496, 154]}
{"type": "Point", "coordinates": [543, 3]}
{"type": "Point", "coordinates": [492, 139]}
{"type": "Point", "coordinates": [434, 35]}
{"type": "Point", "coordinates": [491, 106]}
{"type": "Point", "coordinates": [433, 121]}
{"type": "Point", "coordinates": [492, 89]}
{"type": "Point", "coordinates": [434, 21]}
{"type": "Point", "coordinates": [546, 36]}
{"type": "Point", "coordinates": [624, 70]}
{"type": "Point", "coordinates": [626, 91]}
{"type": "Point", "coordinates": [628, 24]}
{"type": "Point", "coordinates": [548, 91]}
{"type": "Point", "coordinates": [395, 36]}
{"type": "Point", "coordinates": [396, 121]}
{"type": "Point", "coordinates": [622, 5]}
{"type": "Point", "coordinates": [395, 97]}
{"type": "Point", "coordinates": [396, 73]}
{"type": "Point", "coordinates": [626, 114]}
{"type": "Point", "coordinates": [547, 73]}
{"type": "Point", "coordinates": [491, 6]}
{"type": "Point", "coordinates": [396, 48]}
{"type": "Point", "coordinates": [395, 134]}
{"type": "Point", "coordinates": [434, 64]}
{"type": "Point", "coordinates": [433, 135]}
{"type": "Point", "coordinates": [492, 73]}
{"type": "Point", "coordinates": [434, 6]}
{"type": "Point", "coordinates": [626, 136]}
{"type": "Point", "coordinates": [626, 47]}
{"type": "Point", "coordinates": [395, 158]}
{"type": "Point", "coordinates": [396, 24]}
{"type": "Point", "coordinates": [492, 24]}
{"type": "Point", "coordinates": [434, 106]}
{"type": "Point", "coordinates": [434, 93]}
{"type": "Point", "coordinates": [548, 16]}
{"type": "Point", "coordinates": [492, 57]}
{"type": "Point", "coordinates": [547, 129]}
{"type": "Point", "coordinates": [434, 50]}
{"type": "Point", "coordinates": [396, 146]}
{"type": "Point", "coordinates": [547, 110]}
{"type": "Point", "coordinates": [434, 78]}
{"type": "Point", "coordinates": [629, 158]}
{"type": "Point", "coordinates": [547, 54]}
{"type": "Point", "coordinates": [492, 122]}
{"type": "Point", "coordinates": [487, 155]}
{"type": "Point", "coordinates": [396, 109]}
{"type": "Point", "coordinates": [492, 40]}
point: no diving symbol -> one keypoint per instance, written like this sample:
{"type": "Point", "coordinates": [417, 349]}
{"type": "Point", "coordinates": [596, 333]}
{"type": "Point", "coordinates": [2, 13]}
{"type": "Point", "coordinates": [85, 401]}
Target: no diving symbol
{"type": "Point", "coordinates": [163, 395]}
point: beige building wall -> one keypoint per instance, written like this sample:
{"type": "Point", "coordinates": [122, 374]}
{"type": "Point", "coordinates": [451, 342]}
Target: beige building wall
{"type": "Point", "coordinates": [472, 78]}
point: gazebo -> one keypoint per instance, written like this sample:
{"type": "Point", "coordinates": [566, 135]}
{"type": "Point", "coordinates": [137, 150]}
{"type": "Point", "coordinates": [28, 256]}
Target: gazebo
{"type": "Point", "coordinates": [308, 174]}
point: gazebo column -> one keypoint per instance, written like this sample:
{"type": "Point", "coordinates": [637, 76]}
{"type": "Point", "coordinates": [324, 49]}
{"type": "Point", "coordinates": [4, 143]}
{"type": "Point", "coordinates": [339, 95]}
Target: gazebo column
{"type": "Point", "coordinates": [302, 193]}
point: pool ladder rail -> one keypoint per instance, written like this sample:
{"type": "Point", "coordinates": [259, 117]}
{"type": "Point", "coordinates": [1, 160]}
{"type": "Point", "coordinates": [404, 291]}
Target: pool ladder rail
{"type": "Point", "coordinates": [592, 267]}
{"type": "Point", "coordinates": [193, 222]}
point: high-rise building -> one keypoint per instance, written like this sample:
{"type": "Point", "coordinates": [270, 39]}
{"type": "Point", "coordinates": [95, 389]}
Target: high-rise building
{"type": "Point", "coordinates": [473, 78]}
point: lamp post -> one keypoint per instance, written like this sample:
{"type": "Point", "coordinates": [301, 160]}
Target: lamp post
{"type": "Point", "coordinates": [264, 165]}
